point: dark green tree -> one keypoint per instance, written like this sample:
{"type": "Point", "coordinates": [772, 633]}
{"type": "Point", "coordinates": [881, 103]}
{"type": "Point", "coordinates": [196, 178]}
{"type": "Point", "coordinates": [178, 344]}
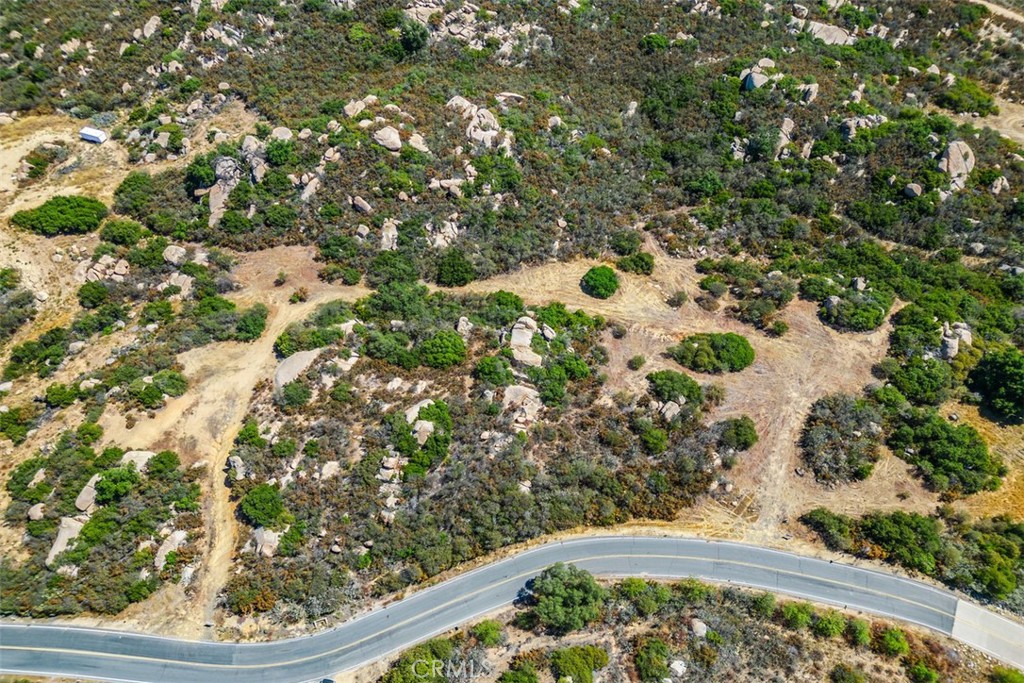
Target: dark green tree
{"type": "Point", "coordinates": [568, 598]}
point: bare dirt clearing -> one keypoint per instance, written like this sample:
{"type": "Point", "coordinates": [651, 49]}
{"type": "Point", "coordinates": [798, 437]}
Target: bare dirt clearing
{"type": "Point", "coordinates": [1009, 122]}
{"type": "Point", "coordinates": [1007, 441]}
{"type": "Point", "coordinates": [790, 373]}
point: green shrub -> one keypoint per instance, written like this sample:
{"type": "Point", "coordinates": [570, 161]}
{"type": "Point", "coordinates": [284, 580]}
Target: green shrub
{"type": "Point", "coordinates": [844, 673]}
{"type": "Point", "coordinates": [797, 615]}
{"type": "Point", "coordinates": [921, 673]}
{"type": "Point", "coordinates": [520, 672]}
{"type": "Point", "coordinates": [600, 282]}
{"type": "Point", "coordinates": [389, 267]}
{"type": "Point", "coordinates": [263, 506]}
{"type": "Point", "coordinates": [763, 605]}
{"type": "Point", "coordinates": [654, 42]}
{"type": "Point", "coordinates": [636, 362]}
{"type": "Point", "coordinates": [677, 299]}
{"type": "Point", "coordinates": [414, 36]}
{"type": "Point", "coordinates": [640, 263]}
{"type": "Point", "coordinates": [578, 664]}
{"type": "Point", "coordinates": [966, 96]}
{"type": "Point", "coordinates": [999, 377]}
{"type": "Point", "coordinates": [62, 216]}
{"type": "Point", "coordinates": [445, 349]}
{"type": "Point", "coordinates": [124, 233]}
{"type": "Point", "coordinates": [567, 598]}
{"type": "Point", "coordinates": [625, 242]}
{"type": "Point", "coordinates": [713, 352]}
{"type": "Point", "coordinates": [892, 642]}
{"type": "Point", "coordinates": [115, 484]}
{"type": "Point", "coordinates": [655, 440]}
{"type": "Point", "coordinates": [251, 323]}
{"type": "Point", "coordinates": [133, 195]}
{"type": "Point", "coordinates": [454, 269]}
{"type": "Point", "coordinates": [651, 661]}
{"type": "Point", "coordinates": [93, 294]}
{"type": "Point", "coordinates": [831, 624]}
{"type": "Point", "coordinates": [295, 395]}
{"type": "Point", "coordinates": [170, 382]}
{"type": "Point", "coordinates": [488, 633]}
{"type": "Point", "coordinates": [950, 457]}
{"type": "Point", "coordinates": [668, 385]}
{"type": "Point", "coordinates": [645, 596]}
{"type": "Point", "coordinates": [494, 370]}
{"type": "Point", "coordinates": [159, 311]}
{"type": "Point", "coordinates": [739, 433]}
{"type": "Point", "coordinates": [60, 395]}
{"type": "Point", "coordinates": [1002, 674]}
{"type": "Point", "coordinates": [281, 152]}
{"type": "Point", "coordinates": [924, 381]}
{"type": "Point", "coordinates": [249, 435]}
{"type": "Point", "coordinates": [858, 632]}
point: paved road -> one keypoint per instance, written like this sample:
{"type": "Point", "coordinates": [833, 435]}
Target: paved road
{"type": "Point", "coordinates": [120, 656]}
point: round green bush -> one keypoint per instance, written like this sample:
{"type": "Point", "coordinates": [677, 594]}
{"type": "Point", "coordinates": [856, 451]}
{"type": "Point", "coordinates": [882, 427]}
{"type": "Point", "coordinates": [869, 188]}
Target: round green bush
{"type": "Point", "coordinates": [443, 350]}
{"type": "Point", "coordinates": [600, 282]}
{"type": "Point", "coordinates": [714, 352]}
{"type": "Point", "coordinates": [454, 269]}
{"type": "Point", "coordinates": [93, 294]}
{"type": "Point", "coordinates": [999, 377]}
{"type": "Point", "coordinates": [62, 216]}
{"type": "Point", "coordinates": [263, 505]}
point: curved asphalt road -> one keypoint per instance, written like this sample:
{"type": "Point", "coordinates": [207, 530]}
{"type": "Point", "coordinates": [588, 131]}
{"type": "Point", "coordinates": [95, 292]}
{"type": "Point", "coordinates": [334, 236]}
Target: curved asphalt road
{"type": "Point", "coordinates": [121, 656]}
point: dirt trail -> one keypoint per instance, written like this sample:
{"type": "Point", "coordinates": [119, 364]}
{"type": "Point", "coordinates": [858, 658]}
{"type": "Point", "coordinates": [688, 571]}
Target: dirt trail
{"type": "Point", "coordinates": [201, 425]}
{"type": "Point", "coordinates": [1009, 122]}
{"type": "Point", "coordinates": [1000, 11]}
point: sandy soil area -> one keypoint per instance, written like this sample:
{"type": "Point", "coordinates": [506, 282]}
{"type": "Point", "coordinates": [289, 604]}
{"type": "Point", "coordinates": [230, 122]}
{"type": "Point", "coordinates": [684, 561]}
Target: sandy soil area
{"type": "Point", "coordinates": [1000, 11]}
{"type": "Point", "coordinates": [789, 374]}
{"type": "Point", "coordinates": [1009, 122]}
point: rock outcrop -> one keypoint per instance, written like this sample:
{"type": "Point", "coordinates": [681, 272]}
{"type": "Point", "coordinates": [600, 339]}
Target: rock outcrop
{"type": "Point", "coordinates": [86, 500]}
{"type": "Point", "coordinates": [172, 543]}
{"type": "Point", "coordinates": [388, 138]}
{"type": "Point", "coordinates": [958, 161]}
{"type": "Point", "coordinates": [294, 365]}
{"type": "Point", "coordinates": [68, 531]}
{"type": "Point", "coordinates": [523, 403]}
{"type": "Point", "coordinates": [521, 340]}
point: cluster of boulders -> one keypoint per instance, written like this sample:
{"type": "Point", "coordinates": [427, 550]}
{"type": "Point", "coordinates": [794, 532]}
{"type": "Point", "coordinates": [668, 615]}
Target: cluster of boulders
{"type": "Point", "coordinates": [482, 126]}
{"type": "Point", "coordinates": [106, 267]}
{"type": "Point", "coordinates": [390, 476]}
{"type": "Point", "coordinates": [228, 174]}
{"type": "Point", "coordinates": [759, 75]}
{"type": "Point", "coordinates": [23, 172]}
{"type": "Point", "coordinates": [176, 255]}
{"type": "Point", "coordinates": [443, 233]}
{"type": "Point", "coordinates": [826, 33]}
{"type": "Point", "coordinates": [849, 126]}
{"type": "Point", "coordinates": [523, 404]}
{"type": "Point", "coordinates": [85, 503]}
{"type": "Point", "coordinates": [467, 23]}
{"type": "Point", "coordinates": [521, 342]}
{"type": "Point", "coordinates": [952, 337]}
{"type": "Point", "coordinates": [387, 135]}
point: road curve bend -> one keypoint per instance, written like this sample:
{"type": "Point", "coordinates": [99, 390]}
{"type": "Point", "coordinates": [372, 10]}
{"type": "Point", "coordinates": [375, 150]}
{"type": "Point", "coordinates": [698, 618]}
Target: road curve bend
{"type": "Point", "coordinates": [121, 656]}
